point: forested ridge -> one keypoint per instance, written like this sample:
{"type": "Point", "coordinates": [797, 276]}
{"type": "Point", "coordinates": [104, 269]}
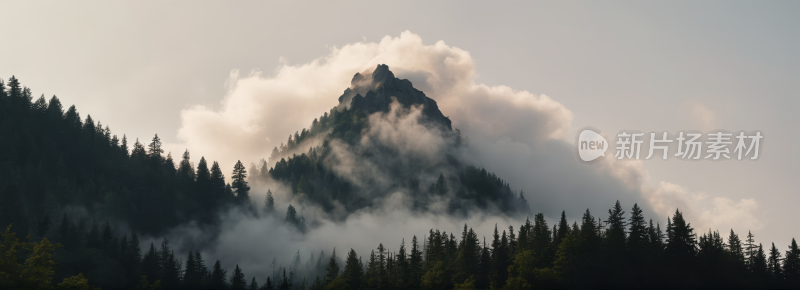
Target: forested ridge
{"type": "Point", "coordinates": [370, 97]}
{"type": "Point", "coordinates": [67, 183]}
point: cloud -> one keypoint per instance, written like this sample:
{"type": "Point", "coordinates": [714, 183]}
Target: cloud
{"type": "Point", "coordinates": [718, 213]}
{"type": "Point", "coordinates": [702, 116]}
{"type": "Point", "coordinates": [701, 210]}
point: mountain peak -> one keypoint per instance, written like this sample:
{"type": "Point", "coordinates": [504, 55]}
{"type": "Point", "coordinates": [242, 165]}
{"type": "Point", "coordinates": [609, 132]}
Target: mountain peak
{"type": "Point", "coordinates": [375, 93]}
{"type": "Point", "coordinates": [382, 74]}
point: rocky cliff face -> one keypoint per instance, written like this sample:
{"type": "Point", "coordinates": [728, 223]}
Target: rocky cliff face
{"type": "Point", "coordinates": [374, 93]}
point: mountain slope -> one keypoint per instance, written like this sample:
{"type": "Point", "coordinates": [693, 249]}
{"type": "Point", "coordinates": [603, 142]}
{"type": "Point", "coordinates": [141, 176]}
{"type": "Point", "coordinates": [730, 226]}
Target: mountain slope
{"type": "Point", "coordinates": [386, 138]}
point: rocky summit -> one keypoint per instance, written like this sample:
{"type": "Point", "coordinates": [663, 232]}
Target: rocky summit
{"type": "Point", "coordinates": [374, 93]}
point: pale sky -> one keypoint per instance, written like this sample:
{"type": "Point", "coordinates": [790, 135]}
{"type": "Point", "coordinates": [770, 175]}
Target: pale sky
{"type": "Point", "coordinates": [644, 66]}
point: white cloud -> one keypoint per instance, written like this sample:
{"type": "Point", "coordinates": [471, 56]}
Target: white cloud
{"type": "Point", "coordinates": [702, 116]}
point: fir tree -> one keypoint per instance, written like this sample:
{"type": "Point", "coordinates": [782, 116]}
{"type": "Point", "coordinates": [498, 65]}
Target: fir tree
{"type": "Point", "coordinates": [332, 270]}
{"type": "Point", "coordinates": [774, 265]}
{"type": "Point", "coordinates": [218, 279]}
{"type": "Point", "coordinates": [238, 281]}
{"type": "Point", "coordinates": [240, 182]}
{"type": "Point", "coordinates": [269, 203]}
{"type": "Point", "coordinates": [353, 270]}
{"type": "Point", "coordinates": [791, 265]}
{"type": "Point", "coordinates": [150, 265]}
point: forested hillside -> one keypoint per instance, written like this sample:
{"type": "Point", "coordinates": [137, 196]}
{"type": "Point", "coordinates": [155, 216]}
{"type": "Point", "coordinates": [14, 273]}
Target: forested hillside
{"type": "Point", "coordinates": [378, 102]}
{"type": "Point", "coordinates": [51, 160]}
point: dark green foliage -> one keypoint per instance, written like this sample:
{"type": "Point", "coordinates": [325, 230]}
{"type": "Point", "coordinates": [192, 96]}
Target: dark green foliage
{"type": "Point", "coordinates": [253, 284]}
{"type": "Point", "coordinates": [353, 270]}
{"type": "Point", "coordinates": [332, 270]}
{"type": "Point", "coordinates": [269, 203]}
{"type": "Point", "coordinates": [240, 182]}
{"type": "Point", "coordinates": [218, 279]}
{"type": "Point", "coordinates": [150, 265]}
{"type": "Point", "coordinates": [791, 265]}
{"type": "Point", "coordinates": [50, 158]}
{"type": "Point", "coordinates": [238, 282]}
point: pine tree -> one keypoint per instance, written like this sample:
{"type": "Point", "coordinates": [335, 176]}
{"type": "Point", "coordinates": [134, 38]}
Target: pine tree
{"type": "Point", "coordinates": [332, 270]}
{"type": "Point", "coordinates": [759, 265]}
{"type": "Point", "coordinates": [302, 187]}
{"type": "Point", "coordinates": [291, 216]}
{"type": "Point", "coordinates": [185, 170]}
{"type": "Point", "coordinates": [253, 284]}
{"type": "Point", "coordinates": [791, 265]}
{"type": "Point", "coordinates": [150, 265]}
{"type": "Point", "coordinates": [737, 266]}
{"type": "Point", "coordinates": [191, 275]}
{"type": "Point", "coordinates": [284, 281]}
{"type": "Point", "coordinates": [155, 150]}
{"type": "Point", "coordinates": [217, 182]}
{"type": "Point", "coordinates": [218, 277]}
{"type": "Point", "coordinates": [268, 285]}
{"type": "Point", "coordinates": [382, 272]}
{"type": "Point", "coordinates": [238, 281]}
{"type": "Point", "coordinates": [415, 263]}
{"type": "Point", "coordinates": [562, 232]}
{"type": "Point", "coordinates": [735, 248]}
{"type": "Point", "coordinates": [469, 256]}
{"type": "Point", "coordinates": [682, 249]}
{"type": "Point", "coordinates": [615, 234]}
{"type": "Point", "coordinates": [401, 273]}
{"type": "Point", "coordinates": [240, 183]}
{"type": "Point", "coordinates": [269, 203]}
{"type": "Point", "coordinates": [750, 249]}
{"type": "Point", "coordinates": [540, 241]}
{"type": "Point", "coordinates": [774, 264]}
{"type": "Point", "coordinates": [353, 270]}
{"type": "Point", "coordinates": [204, 181]}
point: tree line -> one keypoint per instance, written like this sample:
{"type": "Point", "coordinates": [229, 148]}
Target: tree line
{"type": "Point", "coordinates": [51, 159]}
{"type": "Point", "coordinates": [618, 252]}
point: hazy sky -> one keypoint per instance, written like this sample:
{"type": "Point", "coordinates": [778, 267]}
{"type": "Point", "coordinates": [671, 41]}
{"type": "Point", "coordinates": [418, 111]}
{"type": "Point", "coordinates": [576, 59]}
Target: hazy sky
{"type": "Point", "coordinates": [643, 66]}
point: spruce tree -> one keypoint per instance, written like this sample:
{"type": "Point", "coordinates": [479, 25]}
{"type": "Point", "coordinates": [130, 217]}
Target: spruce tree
{"type": "Point", "coordinates": [217, 183]}
{"type": "Point", "coordinates": [240, 183]}
{"type": "Point", "coordinates": [415, 263]}
{"type": "Point", "coordinates": [332, 270]}
{"type": "Point", "coordinates": [132, 259]}
{"type": "Point", "coordinates": [269, 203]}
{"type": "Point", "coordinates": [151, 267]}
{"type": "Point", "coordinates": [238, 281]}
{"type": "Point", "coordinates": [218, 279]}
{"type": "Point", "coordinates": [191, 275]}
{"type": "Point", "coordinates": [291, 216]}
{"type": "Point", "coordinates": [774, 264]}
{"type": "Point", "coordinates": [253, 284]}
{"type": "Point", "coordinates": [750, 249]}
{"type": "Point", "coordinates": [185, 170]}
{"type": "Point", "coordinates": [791, 265]}
{"type": "Point", "coordinates": [284, 281]}
{"type": "Point", "coordinates": [562, 232]}
{"type": "Point", "coordinates": [353, 270]}
{"type": "Point", "coordinates": [154, 150]}
{"type": "Point", "coordinates": [759, 265]}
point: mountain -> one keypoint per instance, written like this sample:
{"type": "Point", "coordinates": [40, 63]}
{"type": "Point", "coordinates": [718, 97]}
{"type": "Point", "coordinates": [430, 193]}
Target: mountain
{"type": "Point", "coordinates": [386, 137]}
{"type": "Point", "coordinates": [375, 93]}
